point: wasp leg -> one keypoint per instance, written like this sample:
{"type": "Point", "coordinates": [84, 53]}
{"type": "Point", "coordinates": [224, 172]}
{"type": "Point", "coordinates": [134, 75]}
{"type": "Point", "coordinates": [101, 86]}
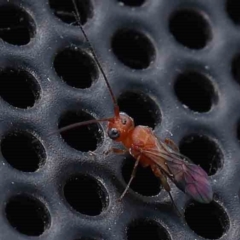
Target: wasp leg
{"type": "Point", "coordinates": [132, 177]}
{"type": "Point", "coordinates": [171, 144]}
{"type": "Point", "coordinates": [160, 174]}
{"type": "Point", "coordinates": [115, 150]}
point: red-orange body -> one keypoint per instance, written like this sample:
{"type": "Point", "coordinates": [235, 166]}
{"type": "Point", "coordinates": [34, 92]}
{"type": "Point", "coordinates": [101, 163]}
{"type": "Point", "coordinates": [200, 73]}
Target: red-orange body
{"type": "Point", "coordinates": [163, 157]}
{"type": "Point", "coordinates": [137, 140]}
{"type": "Point", "coordinates": [142, 138]}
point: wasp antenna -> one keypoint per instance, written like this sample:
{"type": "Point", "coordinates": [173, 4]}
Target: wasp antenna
{"type": "Point", "coordinates": [77, 16]}
{"type": "Point", "coordinates": [78, 124]}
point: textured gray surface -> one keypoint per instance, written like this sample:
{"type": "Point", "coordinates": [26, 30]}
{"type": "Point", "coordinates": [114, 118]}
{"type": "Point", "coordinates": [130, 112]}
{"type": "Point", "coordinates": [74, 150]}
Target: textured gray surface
{"type": "Point", "coordinates": [155, 86]}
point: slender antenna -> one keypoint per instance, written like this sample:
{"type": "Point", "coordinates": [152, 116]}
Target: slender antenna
{"type": "Point", "coordinates": [78, 124]}
{"type": "Point", "coordinates": [116, 108]}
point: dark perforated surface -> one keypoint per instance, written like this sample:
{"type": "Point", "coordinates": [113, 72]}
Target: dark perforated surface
{"type": "Point", "coordinates": [185, 76]}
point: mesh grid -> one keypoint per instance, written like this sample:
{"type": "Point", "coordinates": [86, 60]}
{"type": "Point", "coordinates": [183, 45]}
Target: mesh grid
{"type": "Point", "coordinates": [173, 65]}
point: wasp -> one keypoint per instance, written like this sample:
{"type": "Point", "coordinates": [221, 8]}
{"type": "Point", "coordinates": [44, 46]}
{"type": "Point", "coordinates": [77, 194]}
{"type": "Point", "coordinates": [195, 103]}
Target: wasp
{"type": "Point", "coordinates": [163, 157]}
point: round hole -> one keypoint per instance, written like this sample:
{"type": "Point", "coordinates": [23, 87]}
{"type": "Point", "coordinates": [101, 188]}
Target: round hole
{"type": "Point", "coordinates": [236, 68]}
{"type": "Point", "coordinates": [141, 108]}
{"type": "Point", "coordinates": [144, 182]}
{"type": "Point", "coordinates": [16, 26]}
{"type": "Point", "coordinates": [202, 151]}
{"type": "Point", "coordinates": [76, 68]}
{"type": "Point", "coordinates": [27, 215]}
{"type": "Point", "coordinates": [190, 28]}
{"type": "Point", "coordinates": [85, 138]}
{"type": "Point", "coordinates": [86, 195]}
{"type": "Point", "coordinates": [195, 91]}
{"type": "Point", "coordinates": [146, 229]}
{"type": "Point", "coordinates": [23, 152]}
{"type": "Point", "coordinates": [132, 3]}
{"type": "Point", "coordinates": [207, 220]}
{"type": "Point", "coordinates": [65, 10]}
{"type": "Point", "coordinates": [233, 10]}
{"type": "Point", "coordinates": [133, 49]}
{"type": "Point", "coordinates": [27, 92]}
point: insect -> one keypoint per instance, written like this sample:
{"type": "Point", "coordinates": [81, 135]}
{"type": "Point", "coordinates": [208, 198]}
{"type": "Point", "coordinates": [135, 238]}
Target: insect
{"type": "Point", "coordinates": [163, 157]}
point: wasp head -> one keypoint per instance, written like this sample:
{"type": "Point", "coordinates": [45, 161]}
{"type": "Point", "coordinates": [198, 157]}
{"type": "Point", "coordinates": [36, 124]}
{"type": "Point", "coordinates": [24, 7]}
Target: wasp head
{"type": "Point", "coordinates": [120, 126]}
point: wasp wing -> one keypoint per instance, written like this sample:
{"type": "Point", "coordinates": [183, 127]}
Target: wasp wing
{"type": "Point", "coordinates": [188, 177]}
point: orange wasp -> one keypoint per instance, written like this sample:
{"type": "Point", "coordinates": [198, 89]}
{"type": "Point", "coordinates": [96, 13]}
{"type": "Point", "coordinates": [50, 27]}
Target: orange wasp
{"type": "Point", "coordinates": [163, 157]}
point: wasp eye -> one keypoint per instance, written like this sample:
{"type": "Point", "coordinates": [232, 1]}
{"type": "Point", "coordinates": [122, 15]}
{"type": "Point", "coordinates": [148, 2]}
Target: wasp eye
{"type": "Point", "coordinates": [113, 133]}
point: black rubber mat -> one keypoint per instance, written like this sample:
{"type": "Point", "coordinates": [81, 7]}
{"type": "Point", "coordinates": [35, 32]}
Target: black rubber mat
{"type": "Point", "coordinates": [174, 65]}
